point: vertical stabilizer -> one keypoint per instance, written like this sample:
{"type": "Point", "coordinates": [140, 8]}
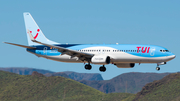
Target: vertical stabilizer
{"type": "Point", "coordinates": [33, 28]}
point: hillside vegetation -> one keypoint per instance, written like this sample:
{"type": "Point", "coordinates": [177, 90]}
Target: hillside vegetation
{"type": "Point", "coordinates": [166, 89]}
{"type": "Point", "coordinates": [37, 87]}
{"type": "Point", "coordinates": [72, 75]}
{"type": "Point", "coordinates": [127, 82]}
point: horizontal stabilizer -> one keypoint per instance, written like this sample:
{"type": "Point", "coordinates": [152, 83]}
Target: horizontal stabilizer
{"type": "Point", "coordinates": [21, 45]}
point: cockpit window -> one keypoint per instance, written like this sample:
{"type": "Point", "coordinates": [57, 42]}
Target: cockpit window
{"type": "Point", "coordinates": [164, 50]}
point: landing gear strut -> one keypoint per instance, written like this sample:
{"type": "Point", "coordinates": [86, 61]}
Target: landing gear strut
{"type": "Point", "coordinates": [88, 66]}
{"type": "Point", "coordinates": [102, 68]}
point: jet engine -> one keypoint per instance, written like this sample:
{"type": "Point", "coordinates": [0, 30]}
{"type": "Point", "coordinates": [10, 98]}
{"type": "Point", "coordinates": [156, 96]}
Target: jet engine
{"type": "Point", "coordinates": [100, 59]}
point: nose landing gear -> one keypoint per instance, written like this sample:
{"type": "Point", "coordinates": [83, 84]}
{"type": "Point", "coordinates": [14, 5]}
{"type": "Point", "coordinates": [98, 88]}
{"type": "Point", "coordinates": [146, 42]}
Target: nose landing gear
{"type": "Point", "coordinates": [157, 68]}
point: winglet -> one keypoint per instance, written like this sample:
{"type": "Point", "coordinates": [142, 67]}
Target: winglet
{"type": "Point", "coordinates": [31, 37]}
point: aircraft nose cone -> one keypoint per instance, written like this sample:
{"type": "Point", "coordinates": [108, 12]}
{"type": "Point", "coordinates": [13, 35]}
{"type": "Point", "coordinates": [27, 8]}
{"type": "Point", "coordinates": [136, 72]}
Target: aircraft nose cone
{"type": "Point", "coordinates": [174, 56]}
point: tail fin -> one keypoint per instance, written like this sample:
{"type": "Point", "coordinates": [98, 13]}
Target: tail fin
{"type": "Point", "coordinates": [33, 28]}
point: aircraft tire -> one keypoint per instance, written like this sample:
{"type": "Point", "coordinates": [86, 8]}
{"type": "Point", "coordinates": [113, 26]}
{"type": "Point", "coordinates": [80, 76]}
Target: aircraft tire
{"type": "Point", "coordinates": [157, 68]}
{"type": "Point", "coordinates": [88, 67]}
{"type": "Point", "coordinates": [102, 69]}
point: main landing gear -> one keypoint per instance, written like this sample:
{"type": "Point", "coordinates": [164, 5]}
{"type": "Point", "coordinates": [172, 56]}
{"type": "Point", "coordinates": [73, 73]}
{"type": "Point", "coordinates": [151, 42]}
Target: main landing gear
{"type": "Point", "coordinates": [102, 68]}
{"type": "Point", "coordinates": [88, 67]}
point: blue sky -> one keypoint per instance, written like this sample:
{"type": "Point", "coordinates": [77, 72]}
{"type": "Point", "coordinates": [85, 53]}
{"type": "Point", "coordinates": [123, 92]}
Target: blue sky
{"type": "Point", "coordinates": [153, 22]}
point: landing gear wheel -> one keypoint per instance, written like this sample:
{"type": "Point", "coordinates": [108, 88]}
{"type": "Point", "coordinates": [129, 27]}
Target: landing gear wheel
{"type": "Point", "coordinates": [157, 68]}
{"type": "Point", "coordinates": [102, 69]}
{"type": "Point", "coordinates": [88, 67]}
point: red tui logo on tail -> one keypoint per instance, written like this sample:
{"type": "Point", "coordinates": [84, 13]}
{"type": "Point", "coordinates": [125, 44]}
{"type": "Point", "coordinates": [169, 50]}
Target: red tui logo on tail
{"type": "Point", "coordinates": [38, 30]}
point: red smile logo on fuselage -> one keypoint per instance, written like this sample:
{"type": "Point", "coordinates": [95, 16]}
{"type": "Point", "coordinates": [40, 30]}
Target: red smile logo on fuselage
{"type": "Point", "coordinates": [38, 30]}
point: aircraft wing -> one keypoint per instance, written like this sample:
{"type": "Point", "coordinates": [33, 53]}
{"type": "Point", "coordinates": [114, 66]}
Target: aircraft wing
{"type": "Point", "coordinates": [20, 45]}
{"type": "Point", "coordinates": [81, 55]}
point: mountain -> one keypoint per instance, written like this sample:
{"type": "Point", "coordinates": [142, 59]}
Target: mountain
{"type": "Point", "coordinates": [84, 76]}
{"type": "Point", "coordinates": [62, 74]}
{"type": "Point", "coordinates": [37, 87]}
{"type": "Point", "coordinates": [77, 76]}
{"type": "Point", "coordinates": [25, 71]}
{"type": "Point", "coordinates": [127, 82]}
{"type": "Point", "coordinates": [72, 75]}
{"type": "Point", "coordinates": [166, 89]}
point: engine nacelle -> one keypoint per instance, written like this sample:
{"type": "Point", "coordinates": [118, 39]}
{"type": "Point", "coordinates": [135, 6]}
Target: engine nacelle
{"type": "Point", "coordinates": [100, 59]}
{"type": "Point", "coordinates": [125, 65]}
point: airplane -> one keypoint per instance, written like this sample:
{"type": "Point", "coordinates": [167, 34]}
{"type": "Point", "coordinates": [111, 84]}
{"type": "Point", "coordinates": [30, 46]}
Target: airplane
{"type": "Point", "coordinates": [121, 55]}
